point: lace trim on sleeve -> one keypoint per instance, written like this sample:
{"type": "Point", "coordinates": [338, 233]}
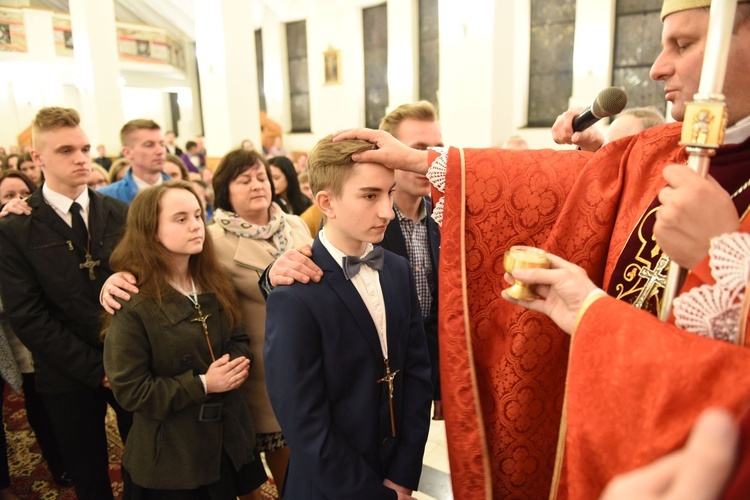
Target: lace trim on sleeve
{"type": "Point", "coordinates": [713, 311]}
{"type": "Point", "coordinates": [436, 175]}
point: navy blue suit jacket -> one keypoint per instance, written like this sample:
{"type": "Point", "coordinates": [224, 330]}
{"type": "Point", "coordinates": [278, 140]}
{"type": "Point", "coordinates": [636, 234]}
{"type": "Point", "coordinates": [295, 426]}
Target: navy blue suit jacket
{"type": "Point", "coordinates": [395, 242]}
{"type": "Point", "coordinates": [323, 360]}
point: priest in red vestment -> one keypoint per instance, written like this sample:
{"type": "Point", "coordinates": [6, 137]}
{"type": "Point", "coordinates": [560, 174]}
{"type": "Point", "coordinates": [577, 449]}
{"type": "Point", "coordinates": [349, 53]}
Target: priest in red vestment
{"type": "Point", "coordinates": [504, 368]}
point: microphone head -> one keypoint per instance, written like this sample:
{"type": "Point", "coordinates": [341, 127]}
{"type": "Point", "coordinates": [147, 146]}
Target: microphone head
{"type": "Point", "coordinates": [609, 101]}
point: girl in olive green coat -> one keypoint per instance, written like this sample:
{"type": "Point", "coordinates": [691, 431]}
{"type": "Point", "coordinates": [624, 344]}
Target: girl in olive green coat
{"type": "Point", "coordinates": [176, 354]}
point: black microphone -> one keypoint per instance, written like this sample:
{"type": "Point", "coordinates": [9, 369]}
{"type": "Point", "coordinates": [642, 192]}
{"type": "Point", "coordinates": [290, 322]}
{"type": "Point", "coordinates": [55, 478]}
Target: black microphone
{"type": "Point", "coordinates": [608, 102]}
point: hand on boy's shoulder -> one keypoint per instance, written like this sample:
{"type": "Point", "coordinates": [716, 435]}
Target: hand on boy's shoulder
{"type": "Point", "coordinates": [294, 265]}
{"type": "Point", "coordinates": [15, 206]}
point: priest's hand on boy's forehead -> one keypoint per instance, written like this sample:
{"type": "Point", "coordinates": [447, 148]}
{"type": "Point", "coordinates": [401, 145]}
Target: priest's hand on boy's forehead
{"type": "Point", "coordinates": [390, 151]}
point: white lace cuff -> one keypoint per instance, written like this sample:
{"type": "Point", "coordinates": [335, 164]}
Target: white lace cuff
{"type": "Point", "coordinates": [436, 175]}
{"type": "Point", "coordinates": [713, 311]}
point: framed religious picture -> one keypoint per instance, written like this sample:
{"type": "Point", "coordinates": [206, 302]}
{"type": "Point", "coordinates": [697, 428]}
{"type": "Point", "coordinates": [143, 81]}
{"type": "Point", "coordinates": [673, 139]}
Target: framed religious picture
{"type": "Point", "coordinates": [5, 33]}
{"type": "Point", "coordinates": [12, 30]}
{"type": "Point", "coordinates": [63, 34]}
{"type": "Point", "coordinates": [143, 48]}
{"type": "Point", "coordinates": [332, 59]}
{"type": "Point", "coordinates": [148, 44]}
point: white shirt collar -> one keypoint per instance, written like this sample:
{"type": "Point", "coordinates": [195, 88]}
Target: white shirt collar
{"type": "Point", "coordinates": [739, 132]}
{"type": "Point", "coordinates": [367, 284]}
{"type": "Point", "coordinates": [337, 254]}
{"type": "Point", "coordinates": [62, 203]}
{"type": "Point", "coordinates": [145, 185]}
{"type": "Point", "coordinates": [422, 212]}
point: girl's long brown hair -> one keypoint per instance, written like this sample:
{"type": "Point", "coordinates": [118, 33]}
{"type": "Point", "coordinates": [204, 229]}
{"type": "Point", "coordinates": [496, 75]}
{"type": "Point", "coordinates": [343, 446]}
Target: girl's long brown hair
{"type": "Point", "coordinates": [142, 255]}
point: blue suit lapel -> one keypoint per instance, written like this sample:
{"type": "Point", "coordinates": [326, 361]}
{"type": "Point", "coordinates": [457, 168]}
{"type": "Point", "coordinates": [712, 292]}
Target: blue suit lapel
{"type": "Point", "coordinates": [333, 276]}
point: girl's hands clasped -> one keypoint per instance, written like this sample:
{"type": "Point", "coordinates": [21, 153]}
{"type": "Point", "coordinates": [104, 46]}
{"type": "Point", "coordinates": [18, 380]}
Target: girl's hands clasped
{"type": "Point", "coordinates": [225, 375]}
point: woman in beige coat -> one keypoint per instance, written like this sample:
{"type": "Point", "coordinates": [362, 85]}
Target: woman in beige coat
{"type": "Point", "coordinates": [250, 231]}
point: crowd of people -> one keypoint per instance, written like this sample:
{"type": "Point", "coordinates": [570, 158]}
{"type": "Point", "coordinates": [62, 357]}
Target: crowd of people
{"type": "Point", "coordinates": [254, 202]}
{"type": "Point", "coordinates": [291, 309]}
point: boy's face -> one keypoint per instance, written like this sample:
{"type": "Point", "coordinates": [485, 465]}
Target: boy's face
{"type": "Point", "coordinates": [305, 188]}
{"type": "Point", "coordinates": [417, 134]}
{"type": "Point", "coordinates": [65, 157]}
{"type": "Point", "coordinates": [362, 211]}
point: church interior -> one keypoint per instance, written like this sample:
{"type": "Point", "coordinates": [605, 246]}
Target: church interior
{"type": "Point", "coordinates": [285, 73]}
{"type": "Point", "coordinates": [217, 69]}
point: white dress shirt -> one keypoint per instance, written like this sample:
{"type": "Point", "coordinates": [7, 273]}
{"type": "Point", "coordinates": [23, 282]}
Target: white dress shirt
{"type": "Point", "coordinates": [367, 283]}
{"type": "Point", "coordinates": [145, 185]}
{"type": "Point", "coordinates": [61, 204]}
{"type": "Point", "coordinates": [739, 132]}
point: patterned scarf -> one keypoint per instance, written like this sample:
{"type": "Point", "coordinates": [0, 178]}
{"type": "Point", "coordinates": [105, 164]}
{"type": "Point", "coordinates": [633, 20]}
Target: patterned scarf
{"type": "Point", "coordinates": [275, 234]}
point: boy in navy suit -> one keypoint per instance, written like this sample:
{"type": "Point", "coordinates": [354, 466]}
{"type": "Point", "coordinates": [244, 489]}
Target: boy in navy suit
{"type": "Point", "coordinates": [347, 365]}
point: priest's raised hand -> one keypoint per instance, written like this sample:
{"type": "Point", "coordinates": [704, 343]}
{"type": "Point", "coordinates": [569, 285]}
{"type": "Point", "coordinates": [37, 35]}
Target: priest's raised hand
{"type": "Point", "coordinates": [387, 151]}
{"type": "Point", "coordinates": [590, 139]}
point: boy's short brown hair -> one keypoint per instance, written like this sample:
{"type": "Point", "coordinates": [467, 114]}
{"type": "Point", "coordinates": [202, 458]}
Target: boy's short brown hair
{"type": "Point", "coordinates": [53, 118]}
{"type": "Point", "coordinates": [330, 163]}
{"type": "Point", "coordinates": [127, 130]}
{"type": "Point", "coordinates": [422, 111]}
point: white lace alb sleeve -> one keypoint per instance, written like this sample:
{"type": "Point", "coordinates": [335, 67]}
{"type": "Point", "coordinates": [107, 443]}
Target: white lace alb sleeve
{"type": "Point", "coordinates": [436, 175]}
{"type": "Point", "coordinates": [713, 311]}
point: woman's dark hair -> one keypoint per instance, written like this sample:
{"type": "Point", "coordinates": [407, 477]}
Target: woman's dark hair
{"type": "Point", "coordinates": [18, 175]}
{"type": "Point", "coordinates": [296, 201]}
{"type": "Point", "coordinates": [10, 157]}
{"type": "Point", "coordinates": [232, 166]}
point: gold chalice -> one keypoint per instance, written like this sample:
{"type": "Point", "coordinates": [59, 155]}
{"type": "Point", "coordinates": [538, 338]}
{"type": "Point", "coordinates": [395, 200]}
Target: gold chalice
{"type": "Point", "coordinates": [523, 257]}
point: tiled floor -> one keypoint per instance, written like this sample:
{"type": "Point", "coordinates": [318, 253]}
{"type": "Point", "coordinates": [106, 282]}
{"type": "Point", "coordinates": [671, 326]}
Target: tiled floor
{"type": "Point", "coordinates": [435, 483]}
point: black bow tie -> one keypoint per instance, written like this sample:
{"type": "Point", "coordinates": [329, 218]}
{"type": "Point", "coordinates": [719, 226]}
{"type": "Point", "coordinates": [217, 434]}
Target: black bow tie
{"type": "Point", "coordinates": [374, 259]}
